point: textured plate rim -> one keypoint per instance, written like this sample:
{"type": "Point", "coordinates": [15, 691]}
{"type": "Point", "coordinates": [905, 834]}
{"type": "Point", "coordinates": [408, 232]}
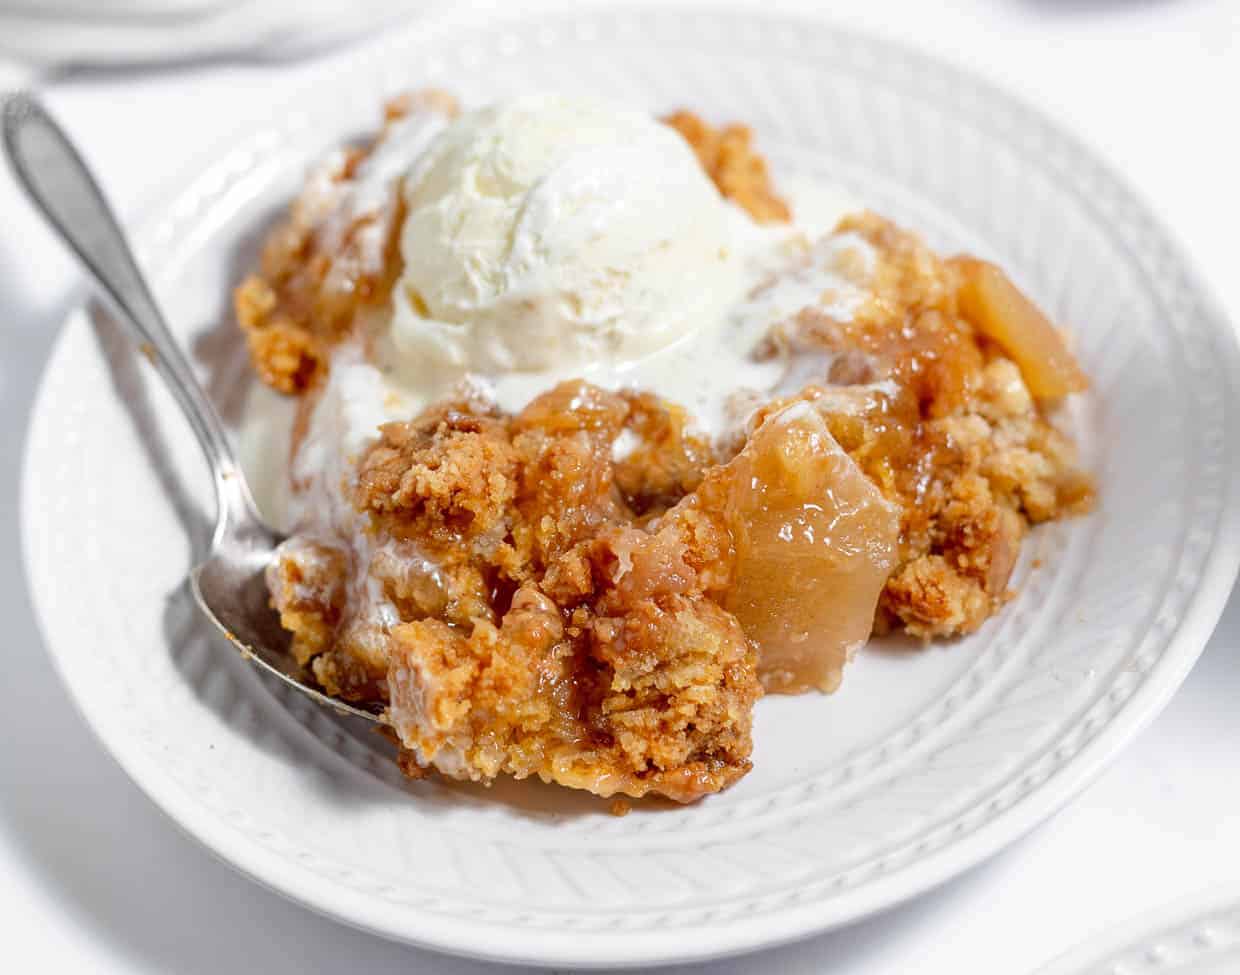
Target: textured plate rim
{"type": "Point", "coordinates": [462, 937]}
{"type": "Point", "coordinates": [1183, 918]}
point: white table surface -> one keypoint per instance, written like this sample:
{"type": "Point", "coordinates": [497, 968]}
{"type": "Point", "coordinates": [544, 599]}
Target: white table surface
{"type": "Point", "coordinates": [94, 878]}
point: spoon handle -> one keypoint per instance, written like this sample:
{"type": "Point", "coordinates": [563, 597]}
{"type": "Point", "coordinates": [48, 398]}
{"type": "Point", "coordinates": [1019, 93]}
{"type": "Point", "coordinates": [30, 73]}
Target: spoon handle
{"type": "Point", "coordinates": [60, 185]}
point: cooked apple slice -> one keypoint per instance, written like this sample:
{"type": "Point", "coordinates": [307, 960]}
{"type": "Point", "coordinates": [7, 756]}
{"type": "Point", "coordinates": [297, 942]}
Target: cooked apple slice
{"type": "Point", "coordinates": [999, 310]}
{"type": "Point", "coordinates": [815, 542]}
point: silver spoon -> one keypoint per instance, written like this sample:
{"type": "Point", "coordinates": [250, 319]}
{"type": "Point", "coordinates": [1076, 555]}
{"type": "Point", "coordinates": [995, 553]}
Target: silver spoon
{"type": "Point", "coordinates": [229, 583]}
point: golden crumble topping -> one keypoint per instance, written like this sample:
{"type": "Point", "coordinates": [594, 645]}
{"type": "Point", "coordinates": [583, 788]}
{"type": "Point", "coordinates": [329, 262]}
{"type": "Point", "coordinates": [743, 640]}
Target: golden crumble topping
{"type": "Point", "coordinates": [729, 158]}
{"type": "Point", "coordinates": [547, 629]}
{"type": "Point", "coordinates": [316, 274]}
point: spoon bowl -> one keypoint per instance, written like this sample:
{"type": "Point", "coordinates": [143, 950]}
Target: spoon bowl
{"type": "Point", "coordinates": [230, 587]}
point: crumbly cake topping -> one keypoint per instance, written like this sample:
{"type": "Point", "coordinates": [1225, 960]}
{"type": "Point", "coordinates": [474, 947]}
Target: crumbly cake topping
{"type": "Point", "coordinates": [335, 255]}
{"type": "Point", "coordinates": [728, 155]}
{"type": "Point", "coordinates": [546, 628]}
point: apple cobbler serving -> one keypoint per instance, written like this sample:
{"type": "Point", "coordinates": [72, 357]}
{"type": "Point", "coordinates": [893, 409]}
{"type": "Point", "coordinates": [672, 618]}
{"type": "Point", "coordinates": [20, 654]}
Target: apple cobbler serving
{"type": "Point", "coordinates": [597, 439]}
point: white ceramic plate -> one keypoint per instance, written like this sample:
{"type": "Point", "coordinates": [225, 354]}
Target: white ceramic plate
{"type": "Point", "coordinates": [1200, 936]}
{"type": "Point", "coordinates": [923, 764]}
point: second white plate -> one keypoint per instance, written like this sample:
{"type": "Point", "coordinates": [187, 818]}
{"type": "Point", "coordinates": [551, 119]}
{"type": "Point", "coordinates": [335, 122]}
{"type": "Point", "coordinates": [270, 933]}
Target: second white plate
{"type": "Point", "coordinates": [1200, 936]}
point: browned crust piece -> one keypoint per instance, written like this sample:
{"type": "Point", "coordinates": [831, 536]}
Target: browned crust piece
{"type": "Point", "coordinates": [599, 661]}
{"type": "Point", "coordinates": [311, 284]}
{"type": "Point", "coordinates": [737, 169]}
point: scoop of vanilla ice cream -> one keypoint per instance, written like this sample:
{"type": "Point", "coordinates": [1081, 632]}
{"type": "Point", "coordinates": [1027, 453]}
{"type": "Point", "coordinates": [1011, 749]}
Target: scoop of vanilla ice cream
{"type": "Point", "coordinates": [546, 232]}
